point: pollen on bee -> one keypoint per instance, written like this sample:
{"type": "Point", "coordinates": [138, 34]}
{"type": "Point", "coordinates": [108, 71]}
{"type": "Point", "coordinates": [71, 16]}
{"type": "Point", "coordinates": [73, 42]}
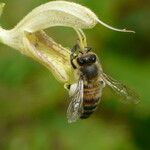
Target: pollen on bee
{"type": "Point", "coordinates": [73, 88]}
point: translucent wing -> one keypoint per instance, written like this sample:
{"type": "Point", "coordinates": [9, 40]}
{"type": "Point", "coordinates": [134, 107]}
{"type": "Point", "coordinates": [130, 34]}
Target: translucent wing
{"type": "Point", "coordinates": [128, 95]}
{"type": "Point", "coordinates": [75, 107]}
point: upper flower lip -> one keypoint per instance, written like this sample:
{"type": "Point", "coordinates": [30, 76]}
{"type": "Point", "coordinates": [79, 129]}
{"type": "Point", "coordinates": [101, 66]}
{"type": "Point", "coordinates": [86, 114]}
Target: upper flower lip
{"type": "Point", "coordinates": [60, 13]}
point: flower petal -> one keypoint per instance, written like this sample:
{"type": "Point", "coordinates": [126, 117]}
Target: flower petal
{"type": "Point", "coordinates": [52, 55]}
{"type": "Point", "coordinates": [61, 13]}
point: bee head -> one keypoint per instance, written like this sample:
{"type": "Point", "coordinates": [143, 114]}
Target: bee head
{"type": "Point", "coordinates": [86, 59]}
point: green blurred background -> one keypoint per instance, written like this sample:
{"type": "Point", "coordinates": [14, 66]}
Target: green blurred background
{"type": "Point", "coordinates": [33, 104]}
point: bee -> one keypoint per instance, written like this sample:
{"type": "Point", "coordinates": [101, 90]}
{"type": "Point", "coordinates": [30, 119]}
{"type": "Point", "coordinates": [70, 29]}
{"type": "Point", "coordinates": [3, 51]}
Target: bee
{"type": "Point", "coordinates": [85, 95]}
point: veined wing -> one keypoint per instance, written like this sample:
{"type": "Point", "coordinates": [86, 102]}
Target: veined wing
{"type": "Point", "coordinates": [75, 107]}
{"type": "Point", "coordinates": [127, 94]}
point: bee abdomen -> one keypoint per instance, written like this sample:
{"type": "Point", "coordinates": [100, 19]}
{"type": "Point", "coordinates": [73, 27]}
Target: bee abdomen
{"type": "Point", "coordinates": [89, 106]}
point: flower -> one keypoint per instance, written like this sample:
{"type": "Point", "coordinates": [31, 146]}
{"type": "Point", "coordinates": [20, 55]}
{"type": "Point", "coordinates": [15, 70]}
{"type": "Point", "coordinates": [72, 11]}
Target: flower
{"type": "Point", "coordinates": [29, 38]}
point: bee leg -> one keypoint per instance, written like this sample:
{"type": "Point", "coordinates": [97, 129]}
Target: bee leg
{"type": "Point", "coordinates": [74, 49]}
{"type": "Point", "coordinates": [88, 49]}
{"type": "Point", "coordinates": [102, 83]}
{"type": "Point", "coordinates": [67, 86]}
{"type": "Point", "coordinates": [73, 56]}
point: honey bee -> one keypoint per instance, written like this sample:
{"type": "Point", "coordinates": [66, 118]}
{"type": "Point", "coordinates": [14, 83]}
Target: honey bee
{"type": "Point", "coordinates": [86, 93]}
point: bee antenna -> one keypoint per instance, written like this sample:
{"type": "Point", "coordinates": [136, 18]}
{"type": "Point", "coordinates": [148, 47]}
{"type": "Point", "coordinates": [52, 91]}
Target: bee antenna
{"type": "Point", "coordinates": [88, 49]}
{"type": "Point", "coordinates": [81, 52]}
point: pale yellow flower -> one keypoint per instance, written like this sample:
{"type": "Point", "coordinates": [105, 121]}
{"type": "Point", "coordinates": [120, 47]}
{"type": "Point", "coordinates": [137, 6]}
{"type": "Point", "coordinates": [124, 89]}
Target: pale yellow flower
{"type": "Point", "coordinates": [29, 38]}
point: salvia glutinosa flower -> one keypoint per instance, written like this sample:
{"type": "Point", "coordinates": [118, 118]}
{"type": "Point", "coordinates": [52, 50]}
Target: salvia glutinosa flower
{"type": "Point", "coordinates": [29, 38]}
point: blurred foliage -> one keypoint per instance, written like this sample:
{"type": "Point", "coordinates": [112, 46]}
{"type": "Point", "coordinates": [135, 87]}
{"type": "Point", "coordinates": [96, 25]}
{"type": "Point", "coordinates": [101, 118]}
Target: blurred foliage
{"type": "Point", "coordinates": [33, 104]}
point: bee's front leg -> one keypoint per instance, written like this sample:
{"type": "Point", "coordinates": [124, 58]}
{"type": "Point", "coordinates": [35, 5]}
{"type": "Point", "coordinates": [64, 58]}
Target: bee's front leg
{"type": "Point", "coordinates": [73, 56]}
{"type": "Point", "coordinates": [74, 49]}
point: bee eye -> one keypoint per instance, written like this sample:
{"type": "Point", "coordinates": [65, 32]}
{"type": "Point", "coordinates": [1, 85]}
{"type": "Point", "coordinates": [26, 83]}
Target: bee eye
{"type": "Point", "coordinates": [93, 58]}
{"type": "Point", "coordinates": [80, 61]}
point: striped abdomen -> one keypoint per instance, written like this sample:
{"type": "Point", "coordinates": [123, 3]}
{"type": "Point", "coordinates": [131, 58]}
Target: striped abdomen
{"type": "Point", "coordinates": [91, 98]}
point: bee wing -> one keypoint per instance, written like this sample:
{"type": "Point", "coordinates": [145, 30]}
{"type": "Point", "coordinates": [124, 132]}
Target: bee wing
{"type": "Point", "coordinates": [127, 94]}
{"type": "Point", "coordinates": [75, 107]}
